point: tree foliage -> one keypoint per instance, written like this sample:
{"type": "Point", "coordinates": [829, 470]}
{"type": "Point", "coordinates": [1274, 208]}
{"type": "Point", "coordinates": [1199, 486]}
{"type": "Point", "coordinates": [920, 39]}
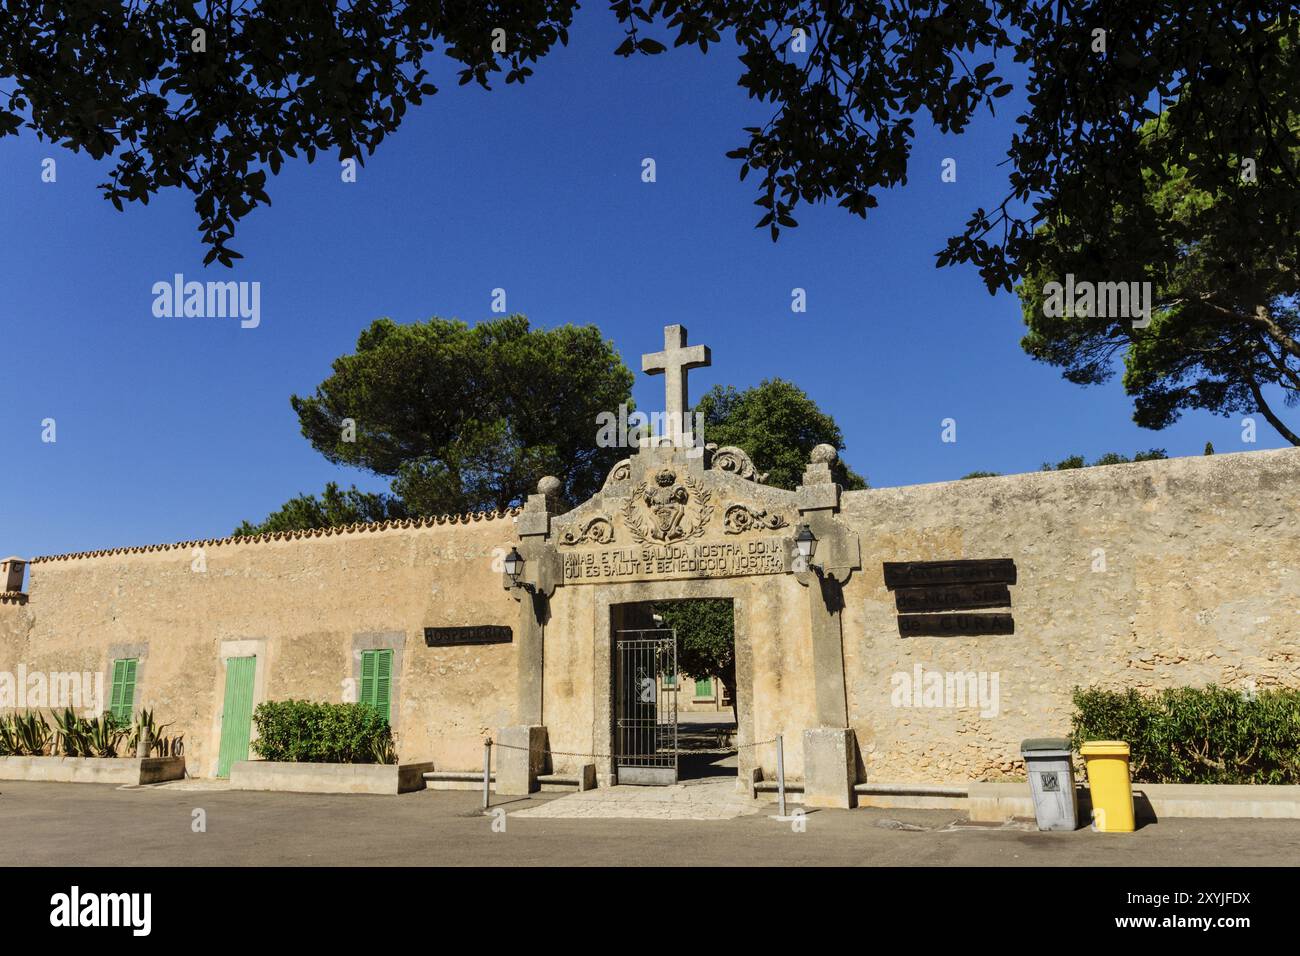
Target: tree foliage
{"type": "Point", "coordinates": [846, 85]}
{"type": "Point", "coordinates": [1110, 458]}
{"type": "Point", "coordinates": [778, 425]}
{"type": "Point", "coordinates": [466, 419]}
{"type": "Point", "coordinates": [1211, 223]}
{"type": "Point", "coordinates": [274, 79]}
{"type": "Point", "coordinates": [213, 113]}
{"type": "Point", "coordinates": [334, 507]}
{"type": "Point", "coordinates": [1078, 461]}
{"type": "Point", "coordinates": [1127, 157]}
{"type": "Point", "coordinates": [1213, 77]}
{"type": "Point", "coordinates": [706, 645]}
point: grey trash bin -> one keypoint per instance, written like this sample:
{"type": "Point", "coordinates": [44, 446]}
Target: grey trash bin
{"type": "Point", "coordinates": [1051, 781]}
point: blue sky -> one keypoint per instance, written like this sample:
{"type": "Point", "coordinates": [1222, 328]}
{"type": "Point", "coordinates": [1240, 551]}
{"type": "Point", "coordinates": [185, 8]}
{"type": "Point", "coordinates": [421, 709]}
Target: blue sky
{"type": "Point", "coordinates": [171, 428]}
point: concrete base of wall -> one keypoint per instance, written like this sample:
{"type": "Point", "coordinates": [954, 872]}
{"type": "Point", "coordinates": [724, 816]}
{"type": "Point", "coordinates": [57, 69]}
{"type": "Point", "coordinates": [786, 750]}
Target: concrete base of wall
{"type": "Point", "coordinates": [116, 770]}
{"type": "Point", "coordinates": [328, 777]}
{"type": "Point", "coordinates": [996, 802]}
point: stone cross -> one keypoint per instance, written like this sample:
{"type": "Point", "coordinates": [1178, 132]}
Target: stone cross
{"type": "Point", "coordinates": [673, 363]}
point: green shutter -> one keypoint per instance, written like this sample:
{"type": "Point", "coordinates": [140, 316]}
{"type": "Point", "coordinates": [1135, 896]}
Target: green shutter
{"type": "Point", "coordinates": [704, 688]}
{"type": "Point", "coordinates": [122, 702]}
{"type": "Point", "coordinates": [115, 701]}
{"type": "Point", "coordinates": [377, 680]}
{"type": "Point", "coordinates": [670, 680]}
{"type": "Point", "coordinates": [367, 677]}
{"type": "Point", "coordinates": [383, 682]}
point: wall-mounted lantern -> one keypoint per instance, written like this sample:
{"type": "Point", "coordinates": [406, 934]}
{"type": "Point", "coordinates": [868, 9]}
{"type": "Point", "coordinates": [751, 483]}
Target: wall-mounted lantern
{"type": "Point", "coordinates": [514, 565]}
{"type": "Point", "coordinates": [805, 543]}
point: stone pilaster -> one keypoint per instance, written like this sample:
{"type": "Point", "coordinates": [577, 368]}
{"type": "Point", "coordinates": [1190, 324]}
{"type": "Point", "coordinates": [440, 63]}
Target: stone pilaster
{"type": "Point", "coordinates": [537, 582]}
{"type": "Point", "coordinates": [830, 749]}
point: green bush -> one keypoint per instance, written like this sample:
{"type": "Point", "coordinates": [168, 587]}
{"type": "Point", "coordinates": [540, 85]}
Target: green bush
{"type": "Point", "coordinates": [305, 731]}
{"type": "Point", "coordinates": [1197, 734]}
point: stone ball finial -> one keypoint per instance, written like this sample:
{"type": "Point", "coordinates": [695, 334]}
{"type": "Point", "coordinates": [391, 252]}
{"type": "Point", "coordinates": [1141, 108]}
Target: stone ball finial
{"type": "Point", "coordinates": [549, 486]}
{"type": "Point", "coordinates": [824, 455]}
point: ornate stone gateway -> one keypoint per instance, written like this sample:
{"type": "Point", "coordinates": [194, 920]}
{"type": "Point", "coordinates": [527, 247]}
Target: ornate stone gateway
{"type": "Point", "coordinates": [680, 519]}
{"type": "Point", "coordinates": [646, 706]}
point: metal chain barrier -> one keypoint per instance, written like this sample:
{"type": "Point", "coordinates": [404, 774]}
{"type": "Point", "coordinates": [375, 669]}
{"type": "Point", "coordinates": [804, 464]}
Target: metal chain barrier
{"type": "Point", "coordinates": [713, 750]}
{"type": "Point", "coordinates": [553, 753]}
{"type": "Point", "coordinates": [734, 748]}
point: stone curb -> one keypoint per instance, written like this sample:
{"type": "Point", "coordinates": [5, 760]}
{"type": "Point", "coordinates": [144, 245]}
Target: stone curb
{"type": "Point", "coordinates": [995, 802]}
{"type": "Point", "coordinates": [328, 777]}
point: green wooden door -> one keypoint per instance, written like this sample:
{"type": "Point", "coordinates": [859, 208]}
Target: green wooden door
{"type": "Point", "coordinates": [237, 713]}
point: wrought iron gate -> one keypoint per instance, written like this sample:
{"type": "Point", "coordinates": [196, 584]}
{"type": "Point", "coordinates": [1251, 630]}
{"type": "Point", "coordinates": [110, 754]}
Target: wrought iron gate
{"type": "Point", "coordinates": [645, 689]}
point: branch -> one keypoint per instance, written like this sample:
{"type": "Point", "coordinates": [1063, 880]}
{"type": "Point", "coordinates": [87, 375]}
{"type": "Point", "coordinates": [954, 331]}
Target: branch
{"type": "Point", "coordinates": [1267, 412]}
{"type": "Point", "coordinates": [1261, 319]}
{"type": "Point", "coordinates": [1279, 364]}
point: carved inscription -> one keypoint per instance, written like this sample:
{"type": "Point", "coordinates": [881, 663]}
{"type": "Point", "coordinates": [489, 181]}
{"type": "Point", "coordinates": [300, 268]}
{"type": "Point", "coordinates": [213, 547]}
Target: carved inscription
{"type": "Point", "coordinates": [910, 574]}
{"type": "Point", "coordinates": [695, 559]}
{"type": "Point", "coordinates": [954, 625]}
{"type": "Point", "coordinates": [947, 586]}
{"type": "Point", "coordinates": [954, 597]}
{"type": "Point", "coordinates": [474, 634]}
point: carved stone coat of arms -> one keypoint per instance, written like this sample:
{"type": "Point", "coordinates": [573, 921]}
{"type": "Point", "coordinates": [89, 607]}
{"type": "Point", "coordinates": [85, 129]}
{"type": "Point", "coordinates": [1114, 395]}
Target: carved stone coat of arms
{"type": "Point", "coordinates": [668, 510]}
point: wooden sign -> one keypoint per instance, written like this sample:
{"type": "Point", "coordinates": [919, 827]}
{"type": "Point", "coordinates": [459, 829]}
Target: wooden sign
{"type": "Point", "coordinates": [475, 634]}
{"type": "Point", "coordinates": [912, 574]}
{"type": "Point", "coordinates": [952, 597]}
{"type": "Point", "coordinates": [954, 625]}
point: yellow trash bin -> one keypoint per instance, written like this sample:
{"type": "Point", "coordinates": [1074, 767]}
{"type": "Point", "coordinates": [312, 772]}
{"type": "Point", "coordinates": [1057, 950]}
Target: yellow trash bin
{"type": "Point", "coordinates": [1112, 793]}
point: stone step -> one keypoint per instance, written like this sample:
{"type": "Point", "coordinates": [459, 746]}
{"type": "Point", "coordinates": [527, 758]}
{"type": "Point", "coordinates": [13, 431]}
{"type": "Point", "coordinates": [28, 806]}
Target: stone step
{"type": "Point", "coordinates": [584, 779]}
{"type": "Point", "coordinates": [911, 796]}
{"type": "Point", "coordinates": [556, 782]}
{"type": "Point", "coordinates": [911, 790]}
{"type": "Point", "coordinates": [769, 786]}
{"type": "Point", "coordinates": [456, 779]}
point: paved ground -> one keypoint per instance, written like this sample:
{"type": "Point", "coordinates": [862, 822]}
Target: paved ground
{"type": "Point", "coordinates": [713, 798]}
{"type": "Point", "coordinates": [92, 824]}
{"type": "Point", "coordinates": [700, 732]}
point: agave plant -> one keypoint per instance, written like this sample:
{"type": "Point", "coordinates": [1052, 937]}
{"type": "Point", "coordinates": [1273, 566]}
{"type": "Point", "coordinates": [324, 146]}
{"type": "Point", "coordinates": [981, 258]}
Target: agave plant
{"type": "Point", "coordinates": [33, 734]}
{"type": "Point", "coordinates": [70, 734]}
{"type": "Point", "coordinates": [104, 736]}
{"type": "Point", "coordinates": [8, 736]}
{"type": "Point", "coordinates": [160, 745]}
{"type": "Point", "coordinates": [382, 749]}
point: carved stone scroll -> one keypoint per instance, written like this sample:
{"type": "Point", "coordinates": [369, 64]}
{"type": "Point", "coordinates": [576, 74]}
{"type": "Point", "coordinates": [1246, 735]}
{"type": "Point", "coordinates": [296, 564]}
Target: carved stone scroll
{"type": "Point", "coordinates": [738, 519]}
{"type": "Point", "coordinates": [734, 461]}
{"type": "Point", "coordinates": [597, 530]}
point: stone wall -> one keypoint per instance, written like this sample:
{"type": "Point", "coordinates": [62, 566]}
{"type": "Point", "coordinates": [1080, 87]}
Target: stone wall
{"type": "Point", "coordinates": [1201, 584]}
{"type": "Point", "coordinates": [307, 603]}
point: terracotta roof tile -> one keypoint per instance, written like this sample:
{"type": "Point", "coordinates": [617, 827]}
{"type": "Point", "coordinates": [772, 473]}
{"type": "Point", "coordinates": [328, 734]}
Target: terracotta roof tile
{"type": "Point", "coordinates": [367, 527]}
